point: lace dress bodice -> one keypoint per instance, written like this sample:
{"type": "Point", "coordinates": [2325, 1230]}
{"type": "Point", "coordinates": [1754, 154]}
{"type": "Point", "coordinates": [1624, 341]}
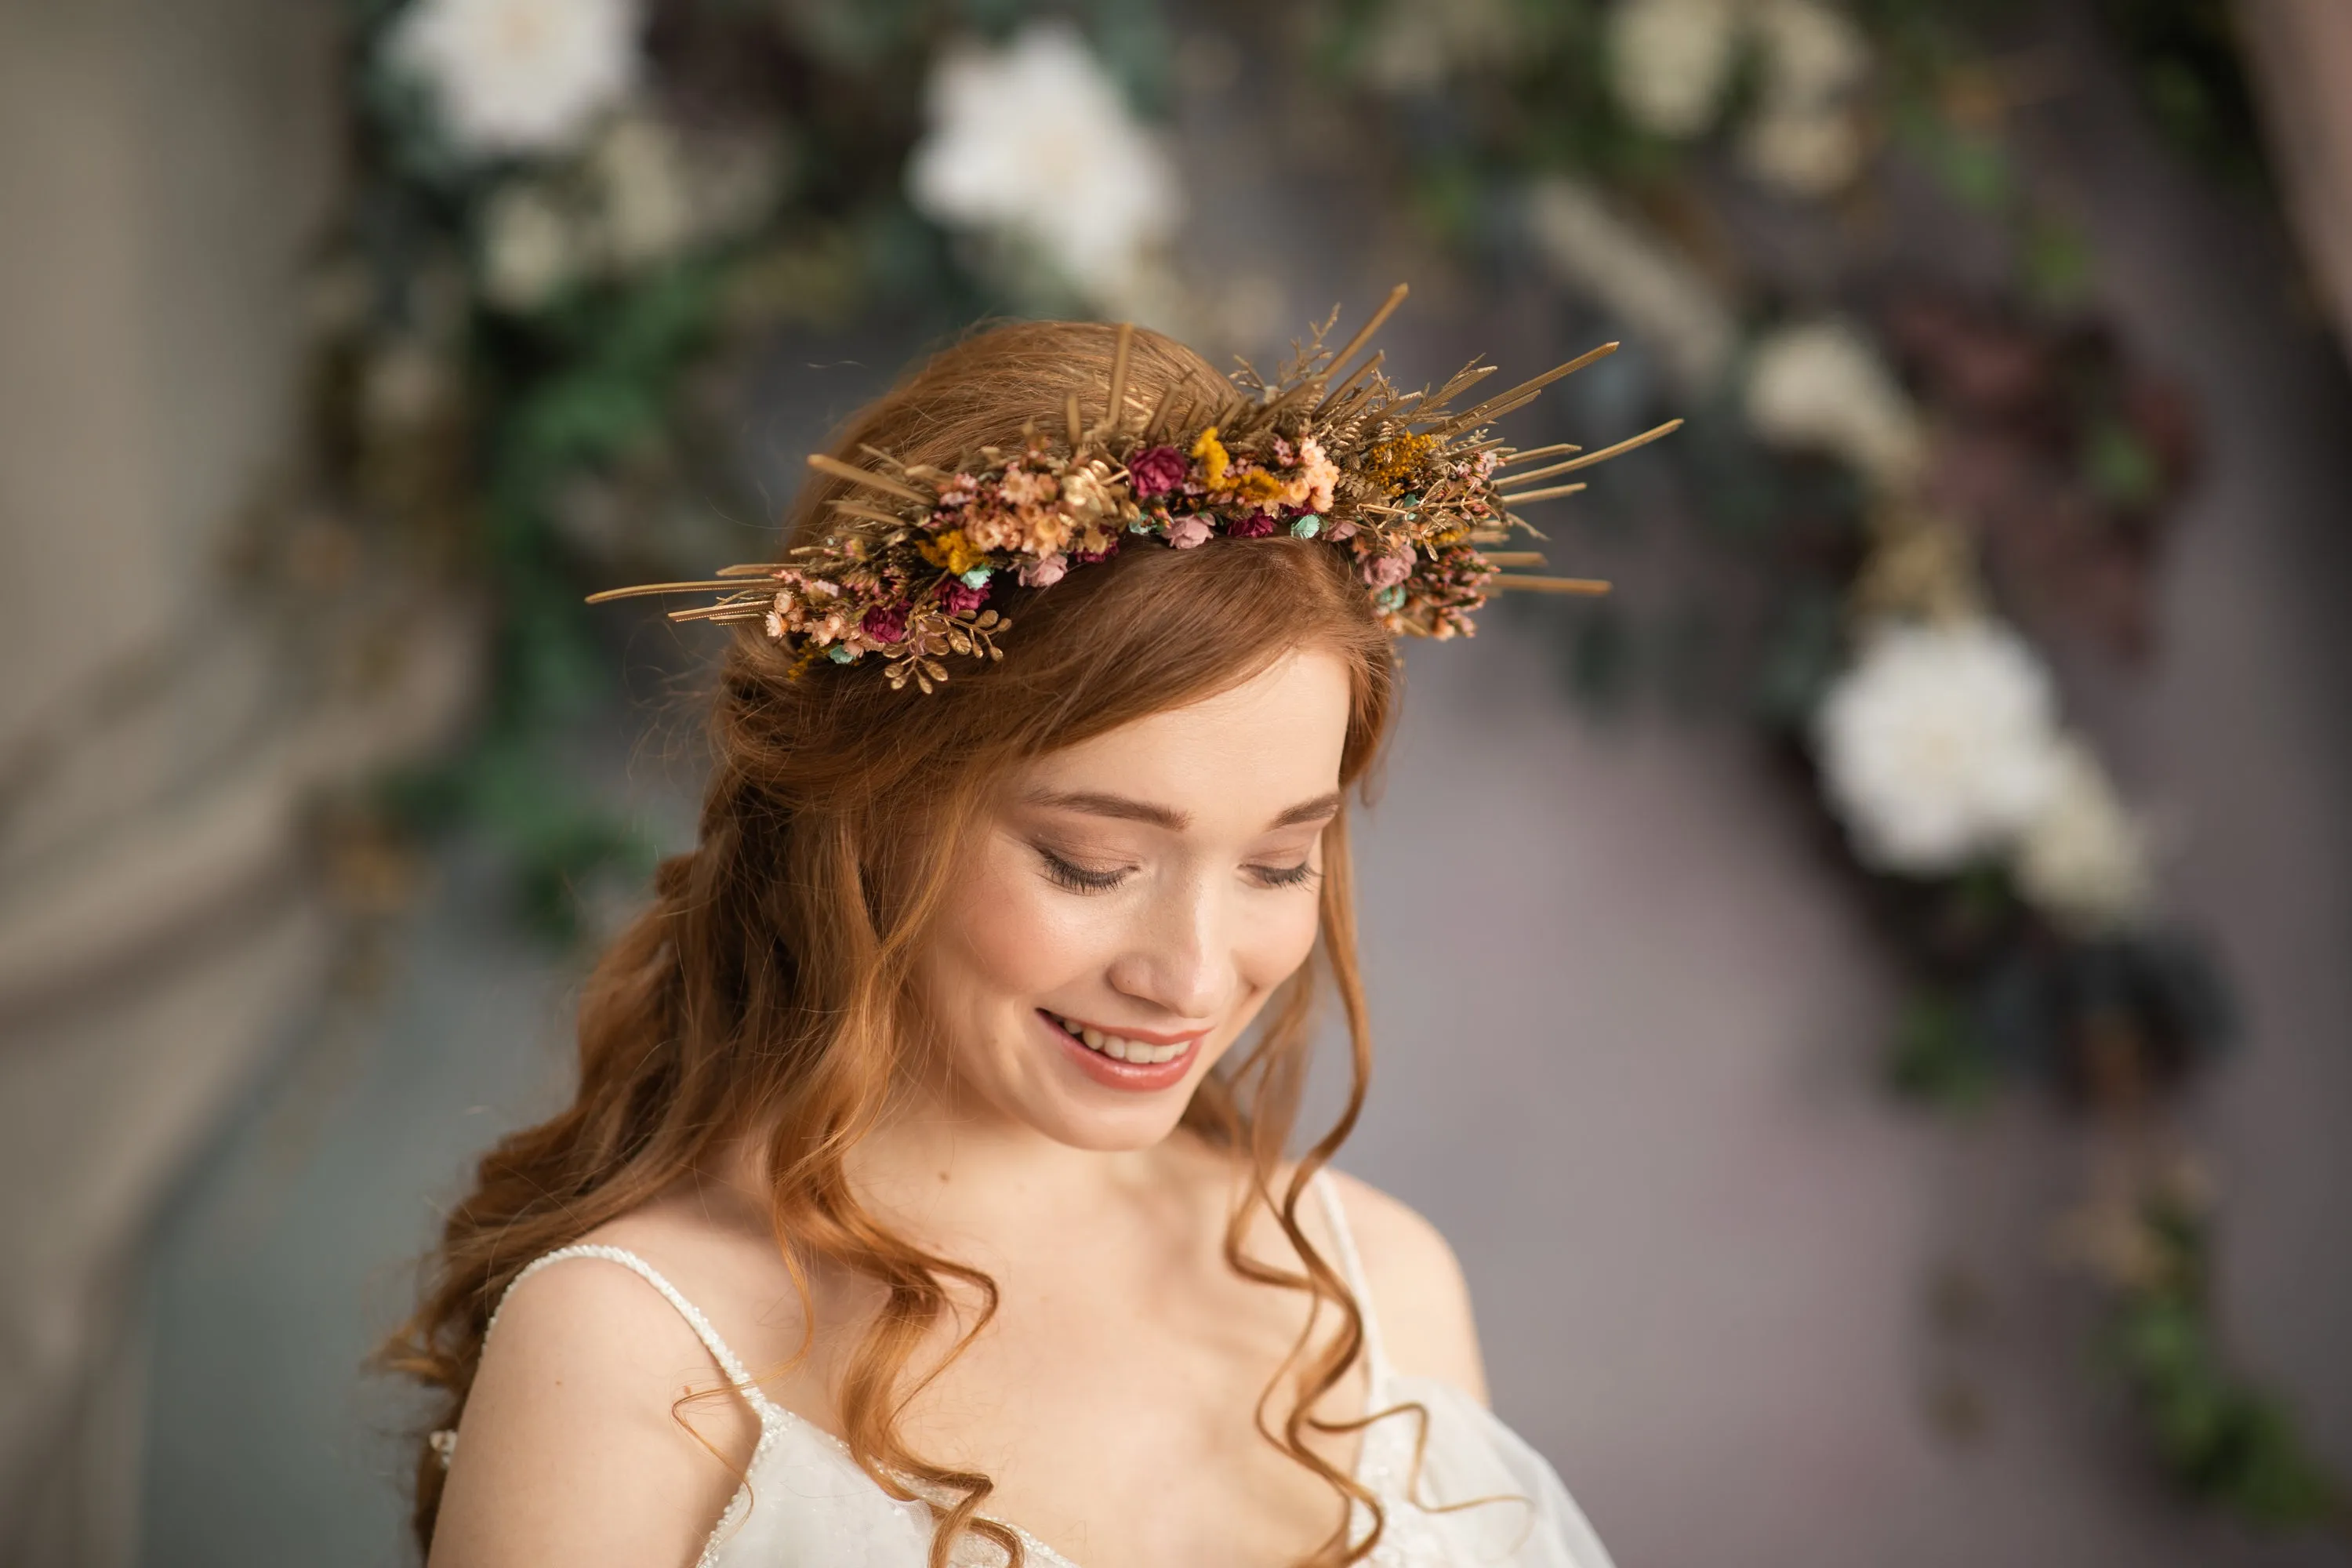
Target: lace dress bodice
{"type": "Point", "coordinates": [805, 1504]}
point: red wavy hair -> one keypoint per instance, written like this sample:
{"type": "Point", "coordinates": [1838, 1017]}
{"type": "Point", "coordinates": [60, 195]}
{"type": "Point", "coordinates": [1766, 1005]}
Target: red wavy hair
{"type": "Point", "coordinates": [768, 985]}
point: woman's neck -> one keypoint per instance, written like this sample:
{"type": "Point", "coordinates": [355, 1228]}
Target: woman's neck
{"type": "Point", "coordinates": [938, 1170]}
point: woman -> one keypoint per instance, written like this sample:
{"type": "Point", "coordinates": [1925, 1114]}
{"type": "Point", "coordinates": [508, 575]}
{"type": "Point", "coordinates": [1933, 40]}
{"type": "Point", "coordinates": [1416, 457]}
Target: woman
{"type": "Point", "coordinates": [928, 1168]}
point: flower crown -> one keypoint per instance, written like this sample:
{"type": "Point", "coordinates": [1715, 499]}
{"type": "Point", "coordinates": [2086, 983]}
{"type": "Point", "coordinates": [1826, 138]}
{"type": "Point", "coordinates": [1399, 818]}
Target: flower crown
{"type": "Point", "coordinates": [1410, 487]}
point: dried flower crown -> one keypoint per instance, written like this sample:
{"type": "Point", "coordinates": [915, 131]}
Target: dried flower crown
{"type": "Point", "coordinates": [1410, 487]}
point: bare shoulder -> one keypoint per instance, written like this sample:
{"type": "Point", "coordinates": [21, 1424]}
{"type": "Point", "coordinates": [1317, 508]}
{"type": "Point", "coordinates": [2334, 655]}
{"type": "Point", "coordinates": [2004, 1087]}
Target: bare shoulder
{"type": "Point", "coordinates": [1417, 1287]}
{"type": "Point", "coordinates": [600, 1429]}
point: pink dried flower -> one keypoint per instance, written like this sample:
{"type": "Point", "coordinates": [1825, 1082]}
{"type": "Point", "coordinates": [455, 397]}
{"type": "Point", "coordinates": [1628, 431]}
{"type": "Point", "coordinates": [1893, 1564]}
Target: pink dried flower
{"type": "Point", "coordinates": [1187, 532]}
{"type": "Point", "coordinates": [1388, 571]}
{"type": "Point", "coordinates": [1156, 472]}
{"type": "Point", "coordinates": [1045, 573]}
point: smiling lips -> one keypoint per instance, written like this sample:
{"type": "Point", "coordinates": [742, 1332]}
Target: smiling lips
{"type": "Point", "coordinates": [1124, 1047]}
{"type": "Point", "coordinates": [1134, 1063]}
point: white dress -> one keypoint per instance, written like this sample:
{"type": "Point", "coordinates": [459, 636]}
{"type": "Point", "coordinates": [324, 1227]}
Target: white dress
{"type": "Point", "coordinates": [805, 1504]}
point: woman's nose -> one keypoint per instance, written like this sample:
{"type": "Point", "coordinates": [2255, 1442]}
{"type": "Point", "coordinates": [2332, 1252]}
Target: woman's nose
{"type": "Point", "coordinates": [1180, 959]}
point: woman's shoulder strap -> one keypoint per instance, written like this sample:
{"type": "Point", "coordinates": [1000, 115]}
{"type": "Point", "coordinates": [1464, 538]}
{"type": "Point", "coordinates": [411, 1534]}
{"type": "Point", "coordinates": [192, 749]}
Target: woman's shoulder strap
{"type": "Point", "coordinates": [444, 1441]}
{"type": "Point", "coordinates": [728, 1362]}
{"type": "Point", "coordinates": [1351, 1268]}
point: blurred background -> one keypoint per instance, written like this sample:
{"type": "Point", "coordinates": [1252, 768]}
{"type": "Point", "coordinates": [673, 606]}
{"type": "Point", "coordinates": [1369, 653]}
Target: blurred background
{"type": "Point", "coordinates": [1867, 1001]}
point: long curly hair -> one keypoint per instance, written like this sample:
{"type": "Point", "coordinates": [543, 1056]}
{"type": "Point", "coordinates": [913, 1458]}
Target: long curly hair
{"type": "Point", "coordinates": [768, 986]}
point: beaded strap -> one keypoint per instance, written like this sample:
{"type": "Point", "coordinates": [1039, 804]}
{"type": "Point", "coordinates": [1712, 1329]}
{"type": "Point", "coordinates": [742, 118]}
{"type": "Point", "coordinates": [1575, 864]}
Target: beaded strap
{"type": "Point", "coordinates": [444, 1442]}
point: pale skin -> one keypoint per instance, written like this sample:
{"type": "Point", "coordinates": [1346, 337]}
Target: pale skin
{"type": "Point", "coordinates": [1159, 878]}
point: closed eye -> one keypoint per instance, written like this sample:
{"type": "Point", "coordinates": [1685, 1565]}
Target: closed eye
{"type": "Point", "coordinates": [1077, 878]}
{"type": "Point", "coordinates": [1296, 876]}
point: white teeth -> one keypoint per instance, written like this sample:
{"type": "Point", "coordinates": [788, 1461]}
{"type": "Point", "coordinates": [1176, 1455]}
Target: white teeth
{"type": "Point", "coordinates": [1118, 1047]}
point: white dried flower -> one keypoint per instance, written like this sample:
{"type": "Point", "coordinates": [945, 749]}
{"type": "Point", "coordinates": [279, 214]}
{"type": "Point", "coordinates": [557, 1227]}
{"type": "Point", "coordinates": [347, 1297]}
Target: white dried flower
{"type": "Point", "coordinates": [2085, 859]}
{"type": "Point", "coordinates": [1034, 143]}
{"type": "Point", "coordinates": [1938, 746]}
{"type": "Point", "coordinates": [530, 247]}
{"type": "Point", "coordinates": [1670, 59]}
{"type": "Point", "coordinates": [519, 77]}
{"type": "Point", "coordinates": [1822, 385]}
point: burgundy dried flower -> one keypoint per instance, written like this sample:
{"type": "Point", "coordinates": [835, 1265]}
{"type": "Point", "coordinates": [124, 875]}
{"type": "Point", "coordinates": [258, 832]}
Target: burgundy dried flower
{"type": "Point", "coordinates": [1089, 557]}
{"type": "Point", "coordinates": [1257, 525]}
{"type": "Point", "coordinates": [962, 598]}
{"type": "Point", "coordinates": [1156, 472]}
{"type": "Point", "coordinates": [886, 623]}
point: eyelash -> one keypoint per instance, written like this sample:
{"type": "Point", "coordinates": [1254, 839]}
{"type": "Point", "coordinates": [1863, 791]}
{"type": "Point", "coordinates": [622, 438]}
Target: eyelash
{"type": "Point", "coordinates": [1079, 879]}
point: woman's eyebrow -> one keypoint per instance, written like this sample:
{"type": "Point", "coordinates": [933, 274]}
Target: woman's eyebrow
{"type": "Point", "coordinates": [1117, 806]}
{"type": "Point", "coordinates": [1096, 804]}
{"type": "Point", "coordinates": [1316, 810]}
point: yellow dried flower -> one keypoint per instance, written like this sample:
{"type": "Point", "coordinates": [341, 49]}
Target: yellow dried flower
{"type": "Point", "coordinates": [1395, 463]}
{"type": "Point", "coordinates": [1212, 454]}
{"type": "Point", "coordinates": [953, 551]}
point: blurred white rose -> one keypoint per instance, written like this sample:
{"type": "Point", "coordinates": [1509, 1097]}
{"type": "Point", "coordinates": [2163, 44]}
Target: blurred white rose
{"type": "Point", "coordinates": [519, 77]}
{"type": "Point", "coordinates": [1418, 45]}
{"type": "Point", "coordinates": [1806, 136]}
{"type": "Point", "coordinates": [530, 247]}
{"type": "Point", "coordinates": [1033, 143]}
{"type": "Point", "coordinates": [642, 200]}
{"type": "Point", "coordinates": [2085, 859]}
{"type": "Point", "coordinates": [1822, 385]}
{"type": "Point", "coordinates": [1940, 745]}
{"type": "Point", "coordinates": [1810, 152]}
{"type": "Point", "coordinates": [1636, 275]}
{"type": "Point", "coordinates": [1669, 59]}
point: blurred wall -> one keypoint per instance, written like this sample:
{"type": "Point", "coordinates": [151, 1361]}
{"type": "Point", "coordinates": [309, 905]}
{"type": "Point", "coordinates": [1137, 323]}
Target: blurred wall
{"type": "Point", "coordinates": [162, 163]}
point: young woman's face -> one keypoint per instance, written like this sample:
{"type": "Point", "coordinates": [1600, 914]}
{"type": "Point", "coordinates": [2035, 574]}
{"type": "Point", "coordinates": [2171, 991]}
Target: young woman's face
{"type": "Point", "coordinates": [1130, 902]}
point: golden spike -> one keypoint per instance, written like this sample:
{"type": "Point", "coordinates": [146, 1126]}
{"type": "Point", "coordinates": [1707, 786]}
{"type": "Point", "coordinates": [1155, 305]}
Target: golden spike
{"type": "Point", "coordinates": [1555, 491]}
{"type": "Point", "coordinates": [1160, 409]}
{"type": "Point", "coordinates": [1551, 584]}
{"type": "Point", "coordinates": [1355, 376]}
{"type": "Point", "coordinates": [721, 613]}
{"type": "Point", "coordinates": [1627, 445]}
{"type": "Point", "coordinates": [1469, 377]}
{"type": "Point", "coordinates": [1526, 389]}
{"type": "Point", "coordinates": [1115, 408]}
{"type": "Point", "coordinates": [1078, 425]}
{"type": "Point", "coordinates": [1515, 558]}
{"type": "Point", "coordinates": [1364, 334]}
{"type": "Point", "coordinates": [642, 590]}
{"type": "Point", "coordinates": [877, 454]}
{"type": "Point", "coordinates": [866, 477]}
{"type": "Point", "coordinates": [1533, 474]}
{"type": "Point", "coordinates": [1533, 453]}
{"type": "Point", "coordinates": [871, 513]}
{"type": "Point", "coordinates": [749, 569]}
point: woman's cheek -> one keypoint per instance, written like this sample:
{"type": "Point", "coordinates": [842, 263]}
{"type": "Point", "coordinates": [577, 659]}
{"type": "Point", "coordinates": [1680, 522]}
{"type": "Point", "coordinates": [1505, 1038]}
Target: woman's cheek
{"type": "Point", "coordinates": [1282, 943]}
{"type": "Point", "coordinates": [1024, 936]}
